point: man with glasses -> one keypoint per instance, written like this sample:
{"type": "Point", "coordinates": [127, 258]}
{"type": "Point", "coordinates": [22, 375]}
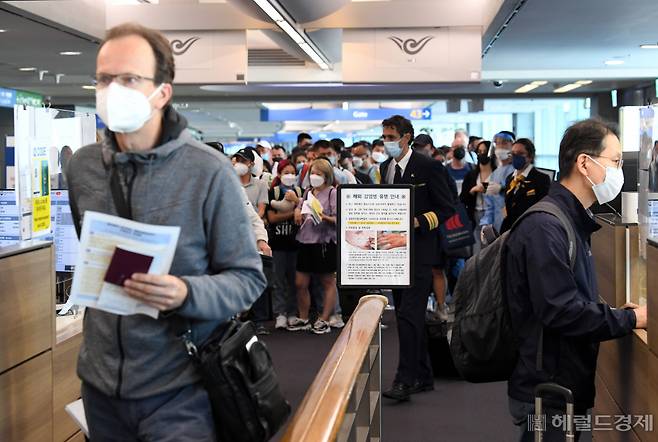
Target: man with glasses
{"type": "Point", "coordinates": [138, 383]}
{"type": "Point", "coordinates": [526, 186]}
{"type": "Point", "coordinates": [549, 299]}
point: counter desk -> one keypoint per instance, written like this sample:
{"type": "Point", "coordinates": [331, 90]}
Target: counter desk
{"type": "Point", "coordinates": [627, 372]}
{"type": "Point", "coordinates": [38, 352]}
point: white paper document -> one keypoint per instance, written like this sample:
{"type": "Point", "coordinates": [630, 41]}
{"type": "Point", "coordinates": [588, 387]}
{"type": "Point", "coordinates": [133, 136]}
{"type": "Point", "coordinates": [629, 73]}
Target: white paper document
{"type": "Point", "coordinates": [101, 235]}
{"type": "Point", "coordinates": [312, 207]}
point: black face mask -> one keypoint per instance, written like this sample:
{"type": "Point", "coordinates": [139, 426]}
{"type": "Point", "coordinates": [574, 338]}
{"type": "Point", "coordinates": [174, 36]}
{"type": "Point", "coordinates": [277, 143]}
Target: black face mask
{"type": "Point", "coordinates": [459, 153]}
{"type": "Point", "coordinates": [484, 159]}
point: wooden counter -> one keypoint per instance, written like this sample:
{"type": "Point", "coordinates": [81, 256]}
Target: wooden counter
{"type": "Point", "coordinates": [627, 371]}
{"type": "Point", "coordinates": [39, 354]}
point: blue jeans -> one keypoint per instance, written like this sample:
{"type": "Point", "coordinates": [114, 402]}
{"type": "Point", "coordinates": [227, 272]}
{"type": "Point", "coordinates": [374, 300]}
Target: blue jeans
{"type": "Point", "coordinates": [284, 294]}
{"type": "Point", "coordinates": [182, 415]}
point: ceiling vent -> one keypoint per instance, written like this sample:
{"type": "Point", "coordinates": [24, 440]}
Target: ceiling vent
{"type": "Point", "coordinates": [273, 57]}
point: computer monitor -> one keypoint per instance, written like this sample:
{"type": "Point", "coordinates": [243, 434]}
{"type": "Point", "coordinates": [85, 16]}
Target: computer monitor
{"type": "Point", "coordinates": [64, 237]}
{"type": "Point", "coordinates": [631, 170]}
{"type": "Point", "coordinates": [550, 172]}
{"type": "Point", "coordinates": [10, 226]}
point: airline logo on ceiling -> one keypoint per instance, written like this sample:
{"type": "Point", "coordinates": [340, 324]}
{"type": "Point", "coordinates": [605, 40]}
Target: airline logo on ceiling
{"type": "Point", "coordinates": [412, 55]}
{"type": "Point", "coordinates": [180, 47]}
{"type": "Point", "coordinates": [209, 57]}
{"type": "Point", "coordinates": [411, 46]}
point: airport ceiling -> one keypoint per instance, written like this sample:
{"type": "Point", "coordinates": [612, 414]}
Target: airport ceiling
{"type": "Point", "coordinates": [557, 41]}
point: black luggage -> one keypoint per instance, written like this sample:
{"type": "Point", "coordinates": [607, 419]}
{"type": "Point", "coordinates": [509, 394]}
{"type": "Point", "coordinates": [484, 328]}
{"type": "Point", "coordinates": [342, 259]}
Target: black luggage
{"type": "Point", "coordinates": [439, 347]}
{"type": "Point", "coordinates": [540, 421]}
{"type": "Point", "coordinates": [484, 344]}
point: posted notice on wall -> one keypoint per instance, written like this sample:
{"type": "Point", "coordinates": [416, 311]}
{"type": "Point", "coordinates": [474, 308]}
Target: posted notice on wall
{"type": "Point", "coordinates": [375, 236]}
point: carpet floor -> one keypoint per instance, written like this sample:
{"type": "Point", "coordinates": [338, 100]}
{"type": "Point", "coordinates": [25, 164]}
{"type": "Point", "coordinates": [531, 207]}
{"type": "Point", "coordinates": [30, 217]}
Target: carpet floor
{"type": "Point", "coordinates": [456, 411]}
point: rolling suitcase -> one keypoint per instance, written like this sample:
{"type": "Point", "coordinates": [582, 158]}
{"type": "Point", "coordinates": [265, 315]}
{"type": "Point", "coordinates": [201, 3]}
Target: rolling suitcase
{"type": "Point", "coordinates": [554, 389]}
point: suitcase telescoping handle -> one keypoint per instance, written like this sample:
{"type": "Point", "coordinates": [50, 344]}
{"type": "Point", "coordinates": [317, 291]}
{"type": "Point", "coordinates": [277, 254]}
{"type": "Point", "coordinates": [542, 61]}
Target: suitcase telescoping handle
{"type": "Point", "coordinates": [550, 388]}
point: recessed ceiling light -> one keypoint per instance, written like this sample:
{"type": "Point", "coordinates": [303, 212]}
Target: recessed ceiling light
{"type": "Point", "coordinates": [649, 46]}
{"type": "Point", "coordinates": [572, 86]}
{"type": "Point", "coordinates": [70, 53]}
{"type": "Point", "coordinates": [530, 86]}
{"type": "Point", "coordinates": [89, 87]}
{"type": "Point", "coordinates": [2, 30]}
{"type": "Point", "coordinates": [614, 62]}
{"type": "Point", "coordinates": [27, 69]}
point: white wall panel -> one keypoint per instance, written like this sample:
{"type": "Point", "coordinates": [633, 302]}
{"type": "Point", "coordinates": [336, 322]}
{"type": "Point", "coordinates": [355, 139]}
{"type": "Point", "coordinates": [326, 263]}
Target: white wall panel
{"type": "Point", "coordinates": [210, 57]}
{"type": "Point", "coordinates": [411, 55]}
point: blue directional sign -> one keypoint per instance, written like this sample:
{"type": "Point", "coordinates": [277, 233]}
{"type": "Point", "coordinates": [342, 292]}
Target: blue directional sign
{"type": "Point", "coordinates": [7, 97]}
{"type": "Point", "coordinates": [343, 115]}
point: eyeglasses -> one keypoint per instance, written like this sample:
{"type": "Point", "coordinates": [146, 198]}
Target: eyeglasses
{"type": "Point", "coordinates": [127, 80]}
{"type": "Point", "coordinates": [618, 161]}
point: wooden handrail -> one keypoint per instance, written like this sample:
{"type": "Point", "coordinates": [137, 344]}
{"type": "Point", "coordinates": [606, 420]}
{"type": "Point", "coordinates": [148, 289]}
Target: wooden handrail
{"type": "Point", "coordinates": [321, 413]}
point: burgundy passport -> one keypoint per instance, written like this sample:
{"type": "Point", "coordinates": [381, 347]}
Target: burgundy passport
{"type": "Point", "coordinates": [124, 263]}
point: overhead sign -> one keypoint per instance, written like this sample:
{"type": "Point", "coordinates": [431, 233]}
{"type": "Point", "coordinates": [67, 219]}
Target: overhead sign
{"type": "Point", "coordinates": [7, 97]}
{"type": "Point", "coordinates": [28, 98]}
{"type": "Point", "coordinates": [11, 97]}
{"type": "Point", "coordinates": [343, 115]}
{"type": "Point", "coordinates": [375, 244]}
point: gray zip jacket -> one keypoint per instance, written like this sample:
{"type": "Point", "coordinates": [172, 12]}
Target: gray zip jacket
{"type": "Point", "coordinates": [182, 183]}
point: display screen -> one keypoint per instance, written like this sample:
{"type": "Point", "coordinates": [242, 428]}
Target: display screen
{"type": "Point", "coordinates": [64, 236]}
{"type": "Point", "coordinates": [10, 227]}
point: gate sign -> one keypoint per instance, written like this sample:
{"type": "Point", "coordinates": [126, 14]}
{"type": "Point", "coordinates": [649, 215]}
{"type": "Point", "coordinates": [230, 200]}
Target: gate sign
{"type": "Point", "coordinates": [343, 115]}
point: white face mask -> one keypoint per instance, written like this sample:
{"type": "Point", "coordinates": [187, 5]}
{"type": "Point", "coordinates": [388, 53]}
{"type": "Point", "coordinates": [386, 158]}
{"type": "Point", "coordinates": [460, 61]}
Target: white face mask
{"type": "Point", "coordinates": [611, 185]}
{"type": "Point", "coordinates": [357, 162]}
{"type": "Point", "coordinates": [379, 157]}
{"type": "Point", "coordinates": [316, 180]}
{"type": "Point", "coordinates": [289, 179]}
{"type": "Point", "coordinates": [393, 148]}
{"type": "Point", "coordinates": [257, 168]}
{"type": "Point", "coordinates": [502, 154]}
{"type": "Point", "coordinates": [241, 169]}
{"type": "Point", "coordinates": [122, 109]}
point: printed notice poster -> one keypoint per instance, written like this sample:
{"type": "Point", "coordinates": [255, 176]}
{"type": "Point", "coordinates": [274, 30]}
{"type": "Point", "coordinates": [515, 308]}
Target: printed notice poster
{"type": "Point", "coordinates": [375, 228]}
{"type": "Point", "coordinates": [40, 192]}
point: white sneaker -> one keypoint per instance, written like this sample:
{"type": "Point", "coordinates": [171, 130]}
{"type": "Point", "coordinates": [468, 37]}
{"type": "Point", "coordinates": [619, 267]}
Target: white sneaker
{"type": "Point", "coordinates": [336, 321]}
{"type": "Point", "coordinates": [321, 327]}
{"type": "Point", "coordinates": [297, 324]}
{"type": "Point", "coordinates": [281, 322]}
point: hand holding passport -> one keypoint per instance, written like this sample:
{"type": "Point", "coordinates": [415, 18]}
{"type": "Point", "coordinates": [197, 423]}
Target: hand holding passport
{"type": "Point", "coordinates": [124, 263]}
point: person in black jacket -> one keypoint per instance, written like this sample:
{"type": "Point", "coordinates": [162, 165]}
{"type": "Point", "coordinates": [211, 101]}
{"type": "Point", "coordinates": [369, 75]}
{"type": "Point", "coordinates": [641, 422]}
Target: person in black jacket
{"type": "Point", "coordinates": [433, 204]}
{"type": "Point", "coordinates": [546, 297]}
{"type": "Point", "coordinates": [475, 185]}
{"type": "Point", "coordinates": [526, 186]}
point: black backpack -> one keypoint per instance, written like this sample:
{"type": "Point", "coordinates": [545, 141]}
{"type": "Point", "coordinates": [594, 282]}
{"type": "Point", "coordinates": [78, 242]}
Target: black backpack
{"type": "Point", "coordinates": [483, 345]}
